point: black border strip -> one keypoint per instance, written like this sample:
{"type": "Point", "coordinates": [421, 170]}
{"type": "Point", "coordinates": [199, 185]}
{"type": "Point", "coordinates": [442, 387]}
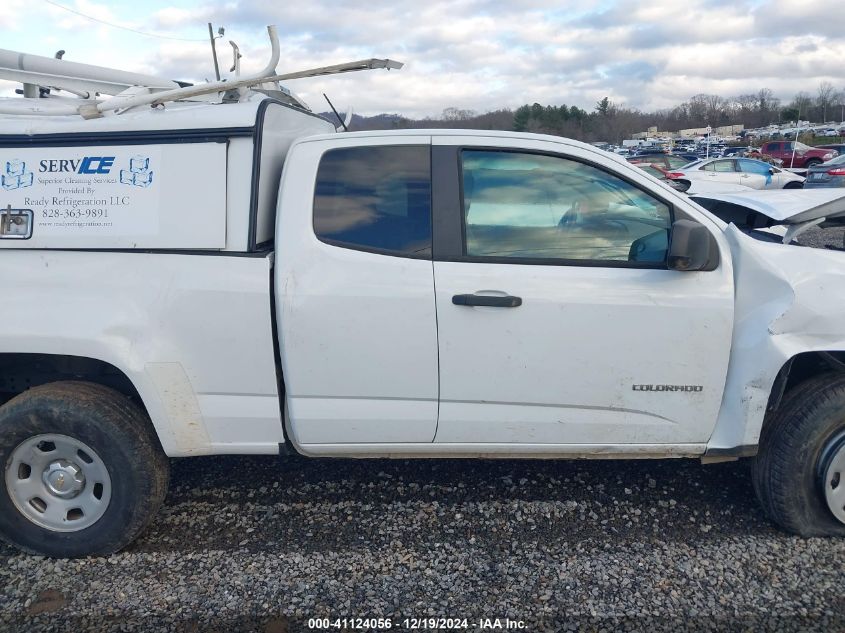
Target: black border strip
{"type": "Point", "coordinates": [446, 202]}
{"type": "Point", "coordinates": [131, 137]}
{"type": "Point", "coordinates": [252, 229]}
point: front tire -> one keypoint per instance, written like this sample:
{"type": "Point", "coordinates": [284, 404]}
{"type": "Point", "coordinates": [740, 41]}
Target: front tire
{"type": "Point", "coordinates": [799, 471]}
{"type": "Point", "coordinates": [84, 473]}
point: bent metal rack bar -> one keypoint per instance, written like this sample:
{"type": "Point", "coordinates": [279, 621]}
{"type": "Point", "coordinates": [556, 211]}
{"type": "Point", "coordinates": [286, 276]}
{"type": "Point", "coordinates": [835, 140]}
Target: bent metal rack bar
{"type": "Point", "coordinates": [40, 75]}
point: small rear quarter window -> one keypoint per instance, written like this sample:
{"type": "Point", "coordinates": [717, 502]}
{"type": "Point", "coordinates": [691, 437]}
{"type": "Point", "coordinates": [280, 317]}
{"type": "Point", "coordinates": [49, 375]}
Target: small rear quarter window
{"type": "Point", "coordinates": [375, 198]}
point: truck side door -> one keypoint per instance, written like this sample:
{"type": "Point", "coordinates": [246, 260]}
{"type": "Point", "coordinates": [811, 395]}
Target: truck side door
{"type": "Point", "coordinates": [355, 291]}
{"type": "Point", "coordinates": [559, 321]}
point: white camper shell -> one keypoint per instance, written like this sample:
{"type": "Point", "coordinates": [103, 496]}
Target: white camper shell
{"type": "Point", "coordinates": [194, 176]}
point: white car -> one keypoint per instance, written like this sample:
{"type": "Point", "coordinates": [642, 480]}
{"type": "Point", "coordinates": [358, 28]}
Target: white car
{"type": "Point", "coordinates": [737, 171]}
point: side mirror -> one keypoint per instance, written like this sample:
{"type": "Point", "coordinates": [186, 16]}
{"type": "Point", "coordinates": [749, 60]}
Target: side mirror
{"type": "Point", "coordinates": [771, 170]}
{"type": "Point", "coordinates": [691, 247]}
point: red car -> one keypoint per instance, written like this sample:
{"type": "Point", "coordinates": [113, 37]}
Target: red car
{"type": "Point", "coordinates": [797, 155]}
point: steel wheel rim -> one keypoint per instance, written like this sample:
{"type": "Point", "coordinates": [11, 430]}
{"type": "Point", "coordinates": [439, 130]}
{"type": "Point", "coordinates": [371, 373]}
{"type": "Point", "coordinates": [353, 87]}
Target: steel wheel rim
{"type": "Point", "coordinates": [833, 478]}
{"type": "Point", "coordinates": [58, 482]}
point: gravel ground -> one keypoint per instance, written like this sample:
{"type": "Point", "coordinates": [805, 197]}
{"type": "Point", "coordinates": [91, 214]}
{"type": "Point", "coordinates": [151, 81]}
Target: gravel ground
{"type": "Point", "coordinates": [263, 544]}
{"type": "Point", "coordinates": [823, 238]}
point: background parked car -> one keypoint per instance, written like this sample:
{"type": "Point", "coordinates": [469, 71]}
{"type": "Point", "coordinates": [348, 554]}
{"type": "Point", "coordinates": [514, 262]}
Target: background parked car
{"type": "Point", "coordinates": [668, 161]}
{"type": "Point", "coordinates": [655, 169]}
{"type": "Point", "coordinates": [650, 151]}
{"type": "Point", "coordinates": [741, 171]}
{"type": "Point", "coordinates": [839, 147]}
{"type": "Point", "coordinates": [735, 151]}
{"type": "Point", "coordinates": [687, 156]}
{"type": "Point", "coordinates": [695, 187]}
{"type": "Point", "coordinates": [829, 174]}
{"type": "Point", "coordinates": [797, 155]}
{"type": "Point", "coordinates": [758, 155]}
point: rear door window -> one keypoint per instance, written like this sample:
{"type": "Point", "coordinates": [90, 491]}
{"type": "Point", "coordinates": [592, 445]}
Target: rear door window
{"type": "Point", "coordinates": [720, 166]}
{"type": "Point", "coordinates": [376, 199]}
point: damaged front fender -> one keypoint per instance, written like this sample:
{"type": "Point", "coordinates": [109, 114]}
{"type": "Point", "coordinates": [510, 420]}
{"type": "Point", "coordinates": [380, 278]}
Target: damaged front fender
{"type": "Point", "coordinates": [789, 300]}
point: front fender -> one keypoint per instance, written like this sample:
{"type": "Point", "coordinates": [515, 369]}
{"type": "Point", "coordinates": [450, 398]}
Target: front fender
{"type": "Point", "coordinates": [789, 300]}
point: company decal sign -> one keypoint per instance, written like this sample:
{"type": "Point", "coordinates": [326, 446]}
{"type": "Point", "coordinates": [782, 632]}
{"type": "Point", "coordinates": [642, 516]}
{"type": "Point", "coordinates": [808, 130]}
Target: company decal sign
{"type": "Point", "coordinates": [93, 191]}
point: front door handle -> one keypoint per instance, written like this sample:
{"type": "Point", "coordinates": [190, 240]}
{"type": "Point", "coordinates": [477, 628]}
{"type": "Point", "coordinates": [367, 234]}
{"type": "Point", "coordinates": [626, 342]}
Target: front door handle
{"type": "Point", "coordinates": [490, 301]}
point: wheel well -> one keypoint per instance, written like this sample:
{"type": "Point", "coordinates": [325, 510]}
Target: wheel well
{"type": "Point", "coordinates": [19, 372]}
{"type": "Point", "coordinates": [800, 368]}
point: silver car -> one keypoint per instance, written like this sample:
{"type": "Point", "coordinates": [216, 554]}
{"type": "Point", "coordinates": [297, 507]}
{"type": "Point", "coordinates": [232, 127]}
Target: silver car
{"type": "Point", "coordinates": [829, 174]}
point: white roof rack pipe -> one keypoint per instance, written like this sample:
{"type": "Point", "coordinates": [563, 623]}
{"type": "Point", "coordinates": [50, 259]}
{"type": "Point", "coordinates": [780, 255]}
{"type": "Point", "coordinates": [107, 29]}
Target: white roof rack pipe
{"type": "Point", "coordinates": [157, 98]}
{"type": "Point", "coordinates": [60, 73]}
{"type": "Point", "coordinates": [37, 107]}
{"type": "Point", "coordinates": [93, 111]}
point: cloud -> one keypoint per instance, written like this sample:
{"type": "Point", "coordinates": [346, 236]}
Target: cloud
{"type": "Point", "coordinates": [487, 54]}
{"type": "Point", "coordinates": [10, 16]}
{"type": "Point", "coordinates": [781, 18]}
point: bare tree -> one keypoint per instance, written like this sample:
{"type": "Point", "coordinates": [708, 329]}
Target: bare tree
{"type": "Point", "coordinates": [827, 97]}
{"type": "Point", "coordinates": [456, 114]}
{"type": "Point", "coordinates": [765, 99]}
{"type": "Point", "coordinates": [802, 102]}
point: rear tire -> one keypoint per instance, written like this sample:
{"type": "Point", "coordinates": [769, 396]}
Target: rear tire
{"type": "Point", "coordinates": [812, 163]}
{"type": "Point", "coordinates": [792, 468]}
{"type": "Point", "coordinates": [84, 473]}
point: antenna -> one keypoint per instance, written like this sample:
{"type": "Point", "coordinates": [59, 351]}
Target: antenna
{"type": "Point", "coordinates": [342, 122]}
{"type": "Point", "coordinates": [212, 37]}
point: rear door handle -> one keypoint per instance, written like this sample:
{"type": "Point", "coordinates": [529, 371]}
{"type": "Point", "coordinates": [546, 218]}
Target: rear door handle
{"type": "Point", "coordinates": [490, 301]}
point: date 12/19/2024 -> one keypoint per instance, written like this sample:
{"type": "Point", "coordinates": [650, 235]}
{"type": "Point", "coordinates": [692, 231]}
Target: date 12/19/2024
{"type": "Point", "coordinates": [426, 623]}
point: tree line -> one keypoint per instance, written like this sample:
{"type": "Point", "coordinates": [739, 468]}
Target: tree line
{"type": "Point", "coordinates": [613, 122]}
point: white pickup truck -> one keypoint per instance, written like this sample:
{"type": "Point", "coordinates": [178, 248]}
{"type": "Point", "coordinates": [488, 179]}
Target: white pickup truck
{"type": "Point", "coordinates": [219, 278]}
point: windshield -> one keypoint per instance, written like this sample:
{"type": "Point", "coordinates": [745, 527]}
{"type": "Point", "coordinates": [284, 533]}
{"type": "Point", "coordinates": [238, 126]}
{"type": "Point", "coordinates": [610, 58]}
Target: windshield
{"type": "Point", "coordinates": [839, 160]}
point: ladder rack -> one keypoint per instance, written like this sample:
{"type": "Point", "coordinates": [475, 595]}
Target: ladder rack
{"type": "Point", "coordinates": [127, 90]}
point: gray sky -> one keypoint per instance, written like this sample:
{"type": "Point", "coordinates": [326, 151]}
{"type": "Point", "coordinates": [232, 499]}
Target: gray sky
{"type": "Point", "coordinates": [473, 54]}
